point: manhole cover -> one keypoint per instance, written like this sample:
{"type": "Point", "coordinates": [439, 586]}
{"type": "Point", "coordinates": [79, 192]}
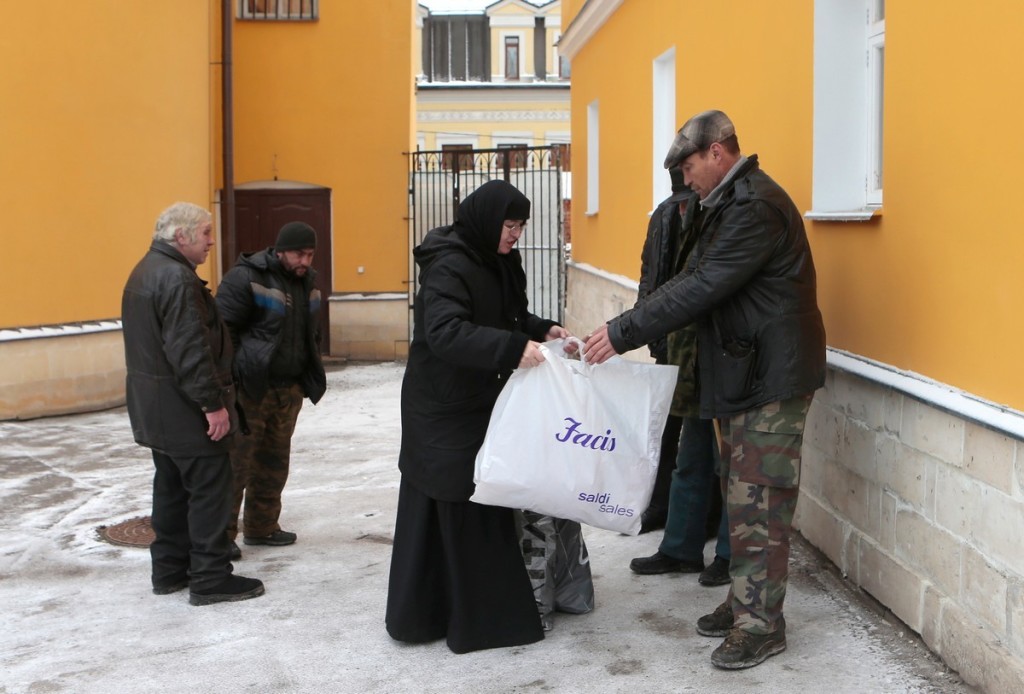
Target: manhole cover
{"type": "Point", "coordinates": [136, 532]}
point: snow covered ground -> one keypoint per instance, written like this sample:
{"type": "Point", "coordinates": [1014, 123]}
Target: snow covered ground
{"type": "Point", "coordinates": [78, 615]}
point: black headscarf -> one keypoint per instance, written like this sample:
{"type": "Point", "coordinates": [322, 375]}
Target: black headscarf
{"type": "Point", "coordinates": [479, 223]}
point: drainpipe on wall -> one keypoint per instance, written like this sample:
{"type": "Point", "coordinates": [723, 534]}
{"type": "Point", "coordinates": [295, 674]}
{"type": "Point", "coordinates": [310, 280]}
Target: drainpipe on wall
{"type": "Point", "coordinates": [227, 115]}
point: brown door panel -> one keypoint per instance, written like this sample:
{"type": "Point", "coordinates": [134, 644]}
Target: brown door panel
{"type": "Point", "coordinates": [260, 214]}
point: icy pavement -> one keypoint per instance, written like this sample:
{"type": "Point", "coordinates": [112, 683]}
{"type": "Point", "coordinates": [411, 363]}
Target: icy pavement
{"type": "Point", "coordinates": [78, 615]}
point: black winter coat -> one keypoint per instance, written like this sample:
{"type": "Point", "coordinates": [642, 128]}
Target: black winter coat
{"type": "Point", "coordinates": [660, 254]}
{"type": "Point", "coordinates": [178, 355]}
{"type": "Point", "coordinates": [656, 262]}
{"type": "Point", "coordinates": [470, 330]}
{"type": "Point", "coordinates": [252, 301]}
{"type": "Point", "coordinates": [751, 287]}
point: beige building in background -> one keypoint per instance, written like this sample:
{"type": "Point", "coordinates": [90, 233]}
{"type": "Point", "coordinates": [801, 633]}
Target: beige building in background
{"type": "Point", "coordinates": [491, 79]}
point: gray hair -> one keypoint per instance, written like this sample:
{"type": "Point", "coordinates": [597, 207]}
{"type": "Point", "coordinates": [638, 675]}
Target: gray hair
{"type": "Point", "coordinates": [183, 216]}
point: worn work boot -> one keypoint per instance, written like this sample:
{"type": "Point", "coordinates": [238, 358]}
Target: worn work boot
{"type": "Point", "coordinates": [231, 589]}
{"type": "Point", "coordinates": [659, 563]}
{"type": "Point", "coordinates": [741, 649]}
{"type": "Point", "coordinates": [717, 573]}
{"type": "Point", "coordinates": [276, 538]}
{"type": "Point", "coordinates": [718, 623]}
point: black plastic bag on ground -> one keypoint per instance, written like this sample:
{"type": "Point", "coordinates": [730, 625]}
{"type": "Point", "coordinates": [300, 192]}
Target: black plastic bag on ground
{"type": "Point", "coordinates": [558, 564]}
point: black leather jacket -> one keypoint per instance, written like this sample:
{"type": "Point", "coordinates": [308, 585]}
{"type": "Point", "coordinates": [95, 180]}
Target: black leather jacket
{"type": "Point", "coordinates": [750, 286]}
{"type": "Point", "coordinates": [178, 355]}
{"type": "Point", "coordinates": [252, 300]}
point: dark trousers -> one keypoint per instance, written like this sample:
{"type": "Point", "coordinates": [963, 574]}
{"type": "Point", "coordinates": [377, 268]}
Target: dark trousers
{"type": "Point", "coordinates": [191, 503]}
{"type": "Point", "coordinates": [694, 486]}
{"type": "Point", "coordinates": [457, 573]}
{"type": "Point", "coordinates": [261, 460]}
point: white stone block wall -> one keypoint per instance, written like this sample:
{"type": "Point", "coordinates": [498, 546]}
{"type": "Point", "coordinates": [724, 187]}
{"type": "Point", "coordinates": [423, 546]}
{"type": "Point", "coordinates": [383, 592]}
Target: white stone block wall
{"type": "Point", "coordinates": [923, 509]}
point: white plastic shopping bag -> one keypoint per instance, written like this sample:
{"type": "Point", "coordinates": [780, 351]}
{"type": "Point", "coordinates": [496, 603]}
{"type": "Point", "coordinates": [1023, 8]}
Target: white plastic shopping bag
{"type": "Point", "coordinates": [575, 440]}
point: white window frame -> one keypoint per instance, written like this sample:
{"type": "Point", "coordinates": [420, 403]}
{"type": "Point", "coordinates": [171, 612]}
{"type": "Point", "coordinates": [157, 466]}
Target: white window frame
{"type": "Point", "coordinates": [593, 157]}
{"type": "Point", "coordinates": [663, 91]}
{"type": "Point", "coordinates": [875, 41]}
{"type": "Point", "coordinates": [848, 125]}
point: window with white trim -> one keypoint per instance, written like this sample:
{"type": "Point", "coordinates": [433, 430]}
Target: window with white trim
{"type": "Point", "coordinates": [511, 58]}
{"type": "Point", "coordinates": [664, 129]}
{"type": "Point", "coordinates": [279, 10]}
{"type": "Point", "coordinates": [593, 152]}
{"type": "Point", "coordinates": [849, 70]}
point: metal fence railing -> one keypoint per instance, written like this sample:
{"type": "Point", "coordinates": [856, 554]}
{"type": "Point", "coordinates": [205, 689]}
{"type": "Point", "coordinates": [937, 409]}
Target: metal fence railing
{"type": "Point", "coordinates": [439, 180]}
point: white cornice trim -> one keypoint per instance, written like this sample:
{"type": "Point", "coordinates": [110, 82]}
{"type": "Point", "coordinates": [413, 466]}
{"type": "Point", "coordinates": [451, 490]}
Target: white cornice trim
{"type": "Point", "coordinates": [584, 25]}
{"type": "Point", "coordinates": [939, 395]}
{"type": "Point", "coordinates": [506, 116]}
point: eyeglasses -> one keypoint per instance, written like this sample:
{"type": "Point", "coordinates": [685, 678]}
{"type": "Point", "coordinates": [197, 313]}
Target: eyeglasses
{"type": "Point", "coordinates": [512, 225]}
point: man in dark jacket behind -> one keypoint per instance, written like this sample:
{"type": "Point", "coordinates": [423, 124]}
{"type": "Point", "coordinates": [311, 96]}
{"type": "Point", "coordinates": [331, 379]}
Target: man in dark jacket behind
{"type": "Point", "coordinates": [181, 405]}
{"type": "Point", "coordinates": [750, 287]}
{"type": "Point", "coordinates": [656, 267]}
{"type": "Point", "coordinates": [270, 304]}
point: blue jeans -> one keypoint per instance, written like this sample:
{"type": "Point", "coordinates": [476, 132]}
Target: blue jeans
{"type": "Point", "coordinates": [693, 482]}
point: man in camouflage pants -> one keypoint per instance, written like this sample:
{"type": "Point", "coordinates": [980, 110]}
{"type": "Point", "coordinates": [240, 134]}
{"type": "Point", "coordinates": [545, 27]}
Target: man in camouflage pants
{"type": "Point", "coordinates": [750, 287]}
{"type": "Point", "coordinates": [270, 303]}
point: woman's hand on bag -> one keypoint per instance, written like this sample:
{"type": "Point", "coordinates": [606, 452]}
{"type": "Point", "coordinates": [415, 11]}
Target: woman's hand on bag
{"type": "Point", "coordinates": [598, 346]}
{"type": "Point", "coordinates": [557, 332]}
{"type": "Point", "coordinates": [532, 356]}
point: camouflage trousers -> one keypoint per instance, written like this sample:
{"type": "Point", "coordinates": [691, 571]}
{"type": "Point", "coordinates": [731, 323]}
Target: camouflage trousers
{"type": "Point", "coordinates": [761, 482]}
{"type": "Point", "coordinates": [260, 460]}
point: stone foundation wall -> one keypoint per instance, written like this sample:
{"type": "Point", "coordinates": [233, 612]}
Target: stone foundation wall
{"type": "Point", "coordinates": [368, 327]}
{"type": "Point", "coordinates": [924, 510]}
{"type": "Point", "coordinates": [55, 374]}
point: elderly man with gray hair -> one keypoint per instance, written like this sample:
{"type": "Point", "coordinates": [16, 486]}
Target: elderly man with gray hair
{"type": "Point", "coordinates": [181, 405]}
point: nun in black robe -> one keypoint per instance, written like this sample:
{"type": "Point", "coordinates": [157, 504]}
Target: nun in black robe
{"type": "Point", "coordinates": [457, 571]}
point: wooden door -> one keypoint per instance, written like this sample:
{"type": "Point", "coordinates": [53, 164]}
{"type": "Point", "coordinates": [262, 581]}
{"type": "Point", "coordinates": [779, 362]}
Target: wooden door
{"type": "Point", "coordinates": [260, 214]}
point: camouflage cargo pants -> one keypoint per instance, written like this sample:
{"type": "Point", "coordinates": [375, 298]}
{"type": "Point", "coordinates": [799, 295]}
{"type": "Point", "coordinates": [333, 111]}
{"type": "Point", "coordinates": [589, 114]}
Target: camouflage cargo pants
{"type": "Point", "coordinates": [761, 482]}
{"type": "Point", "coordinates": [260, 460]}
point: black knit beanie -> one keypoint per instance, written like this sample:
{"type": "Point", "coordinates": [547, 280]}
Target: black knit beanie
{"type": "Point", "coordinates": [295, 236]}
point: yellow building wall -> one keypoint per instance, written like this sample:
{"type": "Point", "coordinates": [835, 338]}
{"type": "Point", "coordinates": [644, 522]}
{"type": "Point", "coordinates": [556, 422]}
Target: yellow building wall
{"type": "Point", "coordinates": [931, 285]}
{"type": "Point", "coordinates": [758, 98]}
{"type": "Point", "coordinates": [105, 119]}
{"type": "Point", "coordinates": [330, 103]}
{"type": "Point", "coordinates": [934, 285]}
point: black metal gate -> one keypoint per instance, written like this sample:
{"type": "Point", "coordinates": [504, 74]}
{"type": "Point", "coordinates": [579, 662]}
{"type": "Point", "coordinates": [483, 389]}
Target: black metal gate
{"type": "Point", "coordinates": [439, 180]}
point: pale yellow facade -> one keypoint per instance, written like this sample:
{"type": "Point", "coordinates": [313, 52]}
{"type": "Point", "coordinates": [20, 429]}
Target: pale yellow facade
{"type": "Point", "coordinates": [533, 110]}
{"type": "Point", "coordinates": [913, 477]}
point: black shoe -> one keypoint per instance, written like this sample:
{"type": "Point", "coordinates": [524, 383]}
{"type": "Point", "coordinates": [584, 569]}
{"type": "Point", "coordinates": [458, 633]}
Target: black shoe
{"type": "Point", "coordinates": [231, 589]}
{"type": "Point", "coordinates": [277, 538]}
{"type": "Point", "coordinates": [236, 552]}
{"type": "Point", "coordinates": [717, 573]}
{"type": "Point", "coordinates": [659, 563]}
{"type": "Point", "coordinates": [718, 623]}
{"type": "Point", "coordinates": [170, 586]}
{"type": "Point", "coordinates": [651, 520]}
{"type": "Point", "coordinates": [741, 649]}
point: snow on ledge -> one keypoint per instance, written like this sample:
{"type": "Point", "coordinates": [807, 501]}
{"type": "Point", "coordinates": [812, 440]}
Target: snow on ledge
{"type": "Point", "coordinates": [941, 396]}
{"type": "Point", "coordinates": [14, 334]}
